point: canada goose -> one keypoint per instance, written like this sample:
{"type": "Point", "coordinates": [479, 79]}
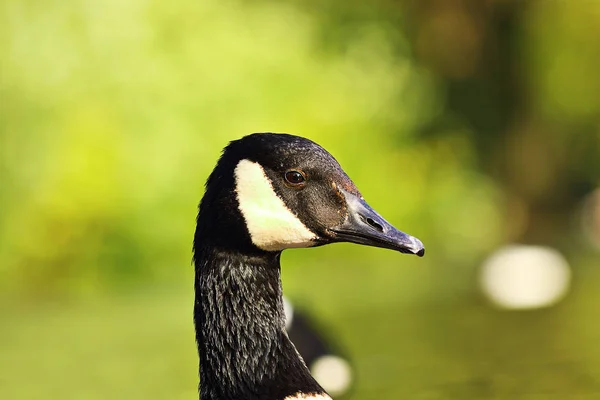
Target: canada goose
{"type": "Point", "coordinates": [268, 192]}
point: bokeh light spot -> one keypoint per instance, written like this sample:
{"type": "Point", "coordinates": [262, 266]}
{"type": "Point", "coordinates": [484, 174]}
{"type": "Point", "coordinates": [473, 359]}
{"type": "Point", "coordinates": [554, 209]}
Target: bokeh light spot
{"type": "Point", "coordinates": [525, 277]}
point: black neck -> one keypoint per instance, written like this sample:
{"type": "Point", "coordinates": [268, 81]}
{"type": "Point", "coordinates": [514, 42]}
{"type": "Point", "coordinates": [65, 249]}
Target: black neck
{"type": "Point", "coordinates": [244, 350]}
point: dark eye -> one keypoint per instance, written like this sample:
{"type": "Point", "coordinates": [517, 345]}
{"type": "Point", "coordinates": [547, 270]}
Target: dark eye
{"type": "Point", "coordinates": [295, 178]}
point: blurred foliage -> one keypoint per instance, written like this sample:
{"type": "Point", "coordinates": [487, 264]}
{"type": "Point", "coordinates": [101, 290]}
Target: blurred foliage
{"type": "Point", "coordinates": [466, 123]}
{"type": "Point", "coordinates": [115, 114]}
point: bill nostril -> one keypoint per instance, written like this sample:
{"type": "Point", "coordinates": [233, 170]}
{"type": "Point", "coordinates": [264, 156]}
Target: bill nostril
{"type": "Point", "coordinates": [374, 224]}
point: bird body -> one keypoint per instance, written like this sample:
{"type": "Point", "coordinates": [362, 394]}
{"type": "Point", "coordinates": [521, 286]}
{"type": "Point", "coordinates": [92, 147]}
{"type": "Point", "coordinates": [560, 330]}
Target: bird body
{"type": "Point", "coordinates": [268, 192]}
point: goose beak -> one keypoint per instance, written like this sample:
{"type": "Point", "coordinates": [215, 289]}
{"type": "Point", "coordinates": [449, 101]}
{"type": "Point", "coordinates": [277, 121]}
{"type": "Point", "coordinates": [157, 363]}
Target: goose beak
{"type": "Point", "coordinates": [364, 225]}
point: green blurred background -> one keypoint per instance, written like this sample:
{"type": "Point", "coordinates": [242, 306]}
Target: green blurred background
{"type": "Point", "coordinates": [469, 124]}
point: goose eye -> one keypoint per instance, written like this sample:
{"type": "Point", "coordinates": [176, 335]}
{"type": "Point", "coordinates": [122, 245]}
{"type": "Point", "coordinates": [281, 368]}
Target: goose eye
{"type": "Point", "coordinates": [295, 178]}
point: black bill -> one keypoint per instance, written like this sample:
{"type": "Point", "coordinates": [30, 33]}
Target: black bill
{"type": "Point", "coordinates": [365, 226]}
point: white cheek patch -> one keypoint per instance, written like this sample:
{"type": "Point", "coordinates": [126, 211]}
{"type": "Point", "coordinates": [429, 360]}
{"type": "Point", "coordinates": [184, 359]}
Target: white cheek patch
{"type": "Point", "coordinates": [304, 396]}
{"type": "Point", "coordinates": [272, 226]}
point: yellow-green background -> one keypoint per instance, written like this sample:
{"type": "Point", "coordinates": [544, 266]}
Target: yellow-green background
{"type": "Point", "coordinates": [468, 124]}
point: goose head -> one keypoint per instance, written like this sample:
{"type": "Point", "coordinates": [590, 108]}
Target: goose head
{"type": "Point", "coordinates": [270, 192]}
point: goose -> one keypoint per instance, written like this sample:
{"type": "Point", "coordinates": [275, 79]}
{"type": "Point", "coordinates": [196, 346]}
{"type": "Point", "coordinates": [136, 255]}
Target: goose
{"type": "Point", "coordinates": [268, 192]}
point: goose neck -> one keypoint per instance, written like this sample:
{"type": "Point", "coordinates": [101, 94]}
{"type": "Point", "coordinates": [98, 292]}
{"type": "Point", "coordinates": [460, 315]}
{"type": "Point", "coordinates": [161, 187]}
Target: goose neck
{"type": "Point", "coordinates": [245, 352]}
